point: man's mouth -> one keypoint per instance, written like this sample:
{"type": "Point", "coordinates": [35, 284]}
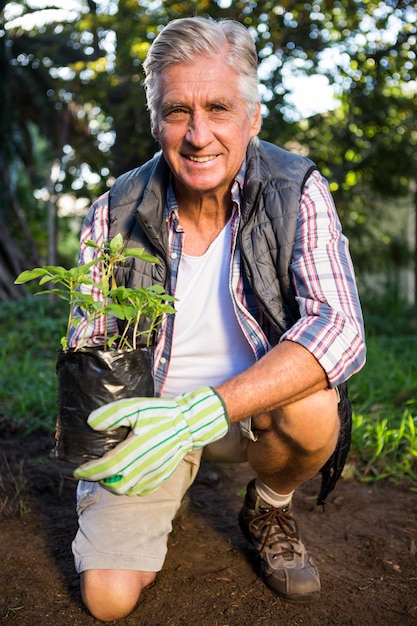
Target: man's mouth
{"type": "Point", "coordinates": [202, 159]}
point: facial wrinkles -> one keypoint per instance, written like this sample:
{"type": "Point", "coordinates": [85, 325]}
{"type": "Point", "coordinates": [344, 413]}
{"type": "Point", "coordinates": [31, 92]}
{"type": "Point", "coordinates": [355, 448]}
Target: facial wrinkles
{"type": "Point", "coordinates": [195, 100]}
{"type": "Point", "coordinates": [203, 126]}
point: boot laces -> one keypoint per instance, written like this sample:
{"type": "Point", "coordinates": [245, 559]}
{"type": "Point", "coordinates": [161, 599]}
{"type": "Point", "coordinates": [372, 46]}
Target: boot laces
{"type": "Point", "coordinates": [279, 531]}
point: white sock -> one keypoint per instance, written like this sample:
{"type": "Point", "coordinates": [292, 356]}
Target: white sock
{"type": "Point", "coordinates": [272, 497]}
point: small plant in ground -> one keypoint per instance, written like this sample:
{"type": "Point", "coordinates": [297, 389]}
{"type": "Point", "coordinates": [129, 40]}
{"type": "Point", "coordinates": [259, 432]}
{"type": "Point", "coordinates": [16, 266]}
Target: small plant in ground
{"type": "Point", "coordinates": [123, 303]}
{"type": "Point", "coordinates": [13, 610]}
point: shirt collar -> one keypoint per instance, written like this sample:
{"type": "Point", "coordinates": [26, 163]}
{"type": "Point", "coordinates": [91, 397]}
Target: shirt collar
{"type": "Point", "coordinates": [237, 187]}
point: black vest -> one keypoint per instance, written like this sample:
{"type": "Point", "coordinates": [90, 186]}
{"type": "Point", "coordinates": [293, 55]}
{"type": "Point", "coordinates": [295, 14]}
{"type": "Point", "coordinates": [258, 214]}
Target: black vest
{"type": "Point", "coordinates": [274, 183]}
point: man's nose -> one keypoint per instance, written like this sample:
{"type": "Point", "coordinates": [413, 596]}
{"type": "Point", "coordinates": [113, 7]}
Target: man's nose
{"type": "Point", "coordinates": [199, 131]}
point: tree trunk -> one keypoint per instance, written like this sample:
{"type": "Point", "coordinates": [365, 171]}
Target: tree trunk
{"type": "Point", "coordinates": [11, 264]}
{"type": "Point", "coordinates": [415, 243]}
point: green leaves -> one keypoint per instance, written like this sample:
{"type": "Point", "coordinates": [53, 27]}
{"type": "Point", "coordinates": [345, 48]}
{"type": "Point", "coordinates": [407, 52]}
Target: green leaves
{"type": "Point", "coordinates": [123, 303]}
{"type": "Point", "coordinates": [132, 305]}
{"type": "Point", "coordinates": [57, 274]}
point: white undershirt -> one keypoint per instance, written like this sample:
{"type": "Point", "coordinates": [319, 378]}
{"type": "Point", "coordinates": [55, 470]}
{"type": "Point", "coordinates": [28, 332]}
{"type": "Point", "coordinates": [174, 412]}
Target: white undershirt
{"type": "Point", "coordinates": [208, 345]}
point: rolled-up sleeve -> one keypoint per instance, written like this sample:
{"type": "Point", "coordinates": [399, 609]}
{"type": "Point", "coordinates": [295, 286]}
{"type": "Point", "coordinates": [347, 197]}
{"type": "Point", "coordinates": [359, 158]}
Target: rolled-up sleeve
{"type": "Point", "coordinates": [331, 323]}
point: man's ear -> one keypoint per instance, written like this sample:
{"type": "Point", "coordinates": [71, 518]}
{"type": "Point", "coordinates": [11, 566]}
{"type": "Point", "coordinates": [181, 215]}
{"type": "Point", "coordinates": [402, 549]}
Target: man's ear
{"type": "Point", "coordinates": [154, 132]}
{"type": "Point", "coordinates": [256, 120]}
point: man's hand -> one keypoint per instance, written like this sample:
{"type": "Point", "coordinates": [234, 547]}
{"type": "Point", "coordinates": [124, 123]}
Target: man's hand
{"type": "Point", "coordinates": [163, 431]}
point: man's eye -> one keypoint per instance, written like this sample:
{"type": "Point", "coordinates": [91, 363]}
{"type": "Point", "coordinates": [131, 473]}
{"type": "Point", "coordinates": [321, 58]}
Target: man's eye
{"type": "Point", "coordinates": [175, 112]}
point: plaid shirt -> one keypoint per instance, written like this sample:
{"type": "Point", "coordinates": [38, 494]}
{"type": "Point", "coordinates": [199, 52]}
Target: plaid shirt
{"type": "Point", "coordinates": [331, 324]}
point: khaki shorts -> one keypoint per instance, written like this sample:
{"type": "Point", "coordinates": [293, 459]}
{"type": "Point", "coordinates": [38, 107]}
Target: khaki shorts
{"type": "Point", "coordinates": [131, 532]}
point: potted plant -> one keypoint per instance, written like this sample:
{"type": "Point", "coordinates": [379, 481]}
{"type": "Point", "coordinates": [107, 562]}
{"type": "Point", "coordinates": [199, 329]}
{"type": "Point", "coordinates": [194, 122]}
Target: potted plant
{"type": "Point", "coordinates": [121, 367]}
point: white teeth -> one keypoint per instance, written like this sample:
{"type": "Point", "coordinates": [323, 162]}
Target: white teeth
{"type": "Point", "coordinates": [201, 159]}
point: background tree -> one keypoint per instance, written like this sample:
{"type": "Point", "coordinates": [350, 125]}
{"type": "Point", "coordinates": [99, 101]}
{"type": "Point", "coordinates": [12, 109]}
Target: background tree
{"type": "Point", "coordinates": [85, 72]}
{"type": "Point", "coordinates": [38, 119]}
{"type": "Point", "coordinates": [367, 146]}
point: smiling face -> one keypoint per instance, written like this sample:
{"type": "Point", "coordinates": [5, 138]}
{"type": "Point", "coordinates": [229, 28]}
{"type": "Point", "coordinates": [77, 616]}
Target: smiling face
{"type": "Point", "coordinates": [202, 125]}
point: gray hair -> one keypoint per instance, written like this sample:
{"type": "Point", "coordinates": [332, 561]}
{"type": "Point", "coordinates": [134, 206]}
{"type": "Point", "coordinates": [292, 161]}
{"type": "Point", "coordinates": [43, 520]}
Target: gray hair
{"type": "Point", "coordinates": [182, 40]}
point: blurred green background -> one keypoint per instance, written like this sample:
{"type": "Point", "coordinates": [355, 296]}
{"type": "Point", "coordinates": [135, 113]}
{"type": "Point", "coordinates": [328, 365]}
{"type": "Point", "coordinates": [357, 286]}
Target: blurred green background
{"type": "Point", "coordinates": [338, 84]}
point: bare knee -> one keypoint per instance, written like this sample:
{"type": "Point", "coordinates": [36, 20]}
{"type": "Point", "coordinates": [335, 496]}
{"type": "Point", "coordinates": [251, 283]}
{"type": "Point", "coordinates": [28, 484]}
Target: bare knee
{"type": "Point", "coordinates": [295, 441]}
{"type": "Point", "coordinates": [113, 594]}
{"type": "Point", "coordinates": [308, 426]}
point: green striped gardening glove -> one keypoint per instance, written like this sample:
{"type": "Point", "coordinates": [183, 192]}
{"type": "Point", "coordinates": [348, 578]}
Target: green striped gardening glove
{"type": "Point", "coordinates": [163, 431]}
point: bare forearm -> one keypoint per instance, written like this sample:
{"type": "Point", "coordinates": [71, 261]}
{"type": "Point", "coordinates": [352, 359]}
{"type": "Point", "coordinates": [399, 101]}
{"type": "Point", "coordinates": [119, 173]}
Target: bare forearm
{"type": "Point", "coordinates": [287, 373]}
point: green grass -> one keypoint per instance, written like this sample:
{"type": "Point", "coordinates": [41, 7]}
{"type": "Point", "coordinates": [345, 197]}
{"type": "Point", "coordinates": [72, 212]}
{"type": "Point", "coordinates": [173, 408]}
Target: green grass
{"type": "Point", "coordinates": [31, 331]}
{"type": "Point", "coordinates": [383, 394]}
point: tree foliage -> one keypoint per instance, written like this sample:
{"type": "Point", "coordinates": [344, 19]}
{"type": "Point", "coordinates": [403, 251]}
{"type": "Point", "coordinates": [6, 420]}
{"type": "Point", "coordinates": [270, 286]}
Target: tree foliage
{"type": "Point", "coordinates": [71, 95]}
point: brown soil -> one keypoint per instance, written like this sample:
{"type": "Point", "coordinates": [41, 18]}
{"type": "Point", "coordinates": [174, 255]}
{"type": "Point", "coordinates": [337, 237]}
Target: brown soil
{"type": "Point", "coordinates": [364, 544]}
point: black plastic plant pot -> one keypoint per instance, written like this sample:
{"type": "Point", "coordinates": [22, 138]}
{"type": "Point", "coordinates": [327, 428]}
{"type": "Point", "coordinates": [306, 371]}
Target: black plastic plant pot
{"type": "Point", "coordinates": [87, 379]}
